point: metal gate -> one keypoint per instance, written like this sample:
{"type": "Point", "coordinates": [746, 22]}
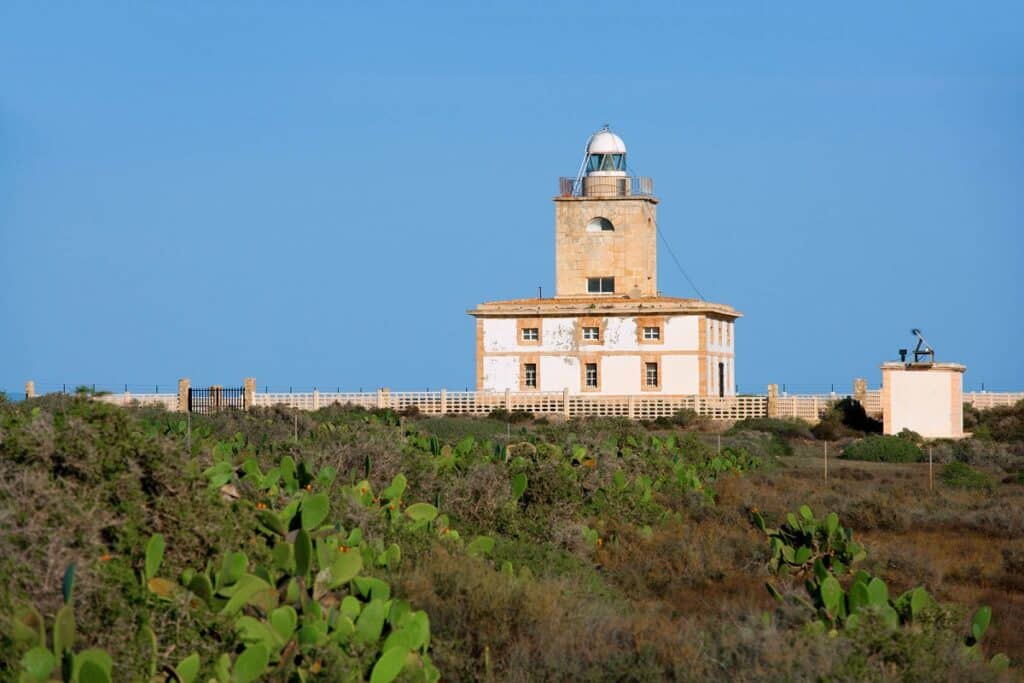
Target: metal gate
{"type": "Point", "coordinates": [215, 398]}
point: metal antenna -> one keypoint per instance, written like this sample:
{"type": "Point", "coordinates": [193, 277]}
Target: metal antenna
{"type": "Point", "coordinates": [923, 348]}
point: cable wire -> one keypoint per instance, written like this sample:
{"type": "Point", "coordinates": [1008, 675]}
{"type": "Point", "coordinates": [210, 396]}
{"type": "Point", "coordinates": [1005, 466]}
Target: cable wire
{"type": "Point", "coordinates": [678, 264]}
{"type": "Point", "coordinates": [671, 253]}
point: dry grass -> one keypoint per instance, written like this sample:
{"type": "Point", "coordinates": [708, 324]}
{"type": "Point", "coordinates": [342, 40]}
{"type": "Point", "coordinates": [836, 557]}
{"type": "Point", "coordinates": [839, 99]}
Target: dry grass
{"type": "Point", "coordinates": [685, 601]}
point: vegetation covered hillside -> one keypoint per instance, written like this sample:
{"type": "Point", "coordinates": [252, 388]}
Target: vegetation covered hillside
{"type": "Point", "coordinates": [352, 545]}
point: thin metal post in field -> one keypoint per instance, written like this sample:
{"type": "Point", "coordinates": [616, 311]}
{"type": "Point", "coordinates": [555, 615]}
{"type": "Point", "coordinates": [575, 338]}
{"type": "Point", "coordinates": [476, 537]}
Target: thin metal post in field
{"type": "Point", "coordinates": [719, 444]}
{"type": "Point", "coordinates": [826, 463]}
{"type": "Point", "coordinates": [931, 481]}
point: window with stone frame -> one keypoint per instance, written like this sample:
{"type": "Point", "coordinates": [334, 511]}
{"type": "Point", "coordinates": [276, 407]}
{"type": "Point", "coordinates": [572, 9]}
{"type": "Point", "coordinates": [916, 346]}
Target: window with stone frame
{"type": "Point", "coordinates": [530, 375]}
{"type": "Point", "coordinates": [590, 375]}
{"type": "Point", "coordinates": [652, 333]}
{"type": "Point", "coordinates": [651, 374]}
{"type": "Point", "coordinates": [531, 334]}
{"type": "Point", "coordinates": [592, 333]}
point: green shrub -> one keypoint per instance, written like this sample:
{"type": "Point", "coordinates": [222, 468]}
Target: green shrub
{"type": "Point", "coordinates": [685, 418]}
{"type": "Point", "coordinates": [786, 429]}
{"type": "Point", "coordinates": [963, 476]}
{"type": "Point", "coordinates": [846, 418]}
{"type": "Point", "coordinates": [999, 424]}
{"type": "Point", "coordinates": [971, 417]}
{"type": "Point", "coordinates": [883, 449]}
{"type": "Point", "coordinates": [515, 416]}
{"type": "Point", "coordinates": [911, 436]}
{"type": "Point", "coordinates": [636, 537]}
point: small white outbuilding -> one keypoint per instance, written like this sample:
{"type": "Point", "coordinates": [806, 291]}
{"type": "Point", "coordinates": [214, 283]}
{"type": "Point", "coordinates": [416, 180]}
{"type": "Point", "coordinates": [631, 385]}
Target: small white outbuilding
{"type": "Point", "coordinates": [926, 398]}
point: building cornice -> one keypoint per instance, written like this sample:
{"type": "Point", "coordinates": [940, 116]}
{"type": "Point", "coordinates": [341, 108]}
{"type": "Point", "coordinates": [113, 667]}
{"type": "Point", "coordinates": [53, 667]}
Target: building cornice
{"type": "Point", "coordinates": [948, 367]}
{"type": "Point", "coordinates": [601, 306]}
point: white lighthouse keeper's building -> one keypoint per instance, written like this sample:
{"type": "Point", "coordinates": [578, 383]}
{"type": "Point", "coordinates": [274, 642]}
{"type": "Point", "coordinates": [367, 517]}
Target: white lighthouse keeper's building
{"type": "Point", "coordinates": [607, 330]}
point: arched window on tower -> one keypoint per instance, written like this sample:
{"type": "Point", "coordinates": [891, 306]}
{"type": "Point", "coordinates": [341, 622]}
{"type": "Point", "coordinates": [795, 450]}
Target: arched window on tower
{"type": "Point", "coordinates": [600, 224]}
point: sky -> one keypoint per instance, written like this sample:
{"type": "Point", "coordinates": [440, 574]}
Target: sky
{"type": "Point", "coordinates": [315, 193]}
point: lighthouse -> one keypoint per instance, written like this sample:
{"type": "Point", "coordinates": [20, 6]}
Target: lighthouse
{"type": "Point", "coordinates": [608, 329]}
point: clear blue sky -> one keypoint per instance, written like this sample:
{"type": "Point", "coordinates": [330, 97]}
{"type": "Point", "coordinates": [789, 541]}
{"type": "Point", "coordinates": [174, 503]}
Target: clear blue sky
{"type": "Point", "coordinates": [314, 193]}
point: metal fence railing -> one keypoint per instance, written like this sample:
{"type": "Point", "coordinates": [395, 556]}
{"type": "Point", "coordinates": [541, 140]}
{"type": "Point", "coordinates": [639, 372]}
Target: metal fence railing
{"type": "Point", "coordinates": [606, 186]}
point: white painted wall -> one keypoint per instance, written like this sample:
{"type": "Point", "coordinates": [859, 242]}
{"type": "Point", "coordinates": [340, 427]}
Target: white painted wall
{"type": "Point", "coordinates": [720, 336]}
{"type": "Point", "coordinates": [620, 375]}
{"type": "Point", "coordinates": [922, 401]}
{"type": "Point", "coordinates": [680, 374]}
{"type": "Point", "coordinates": [559, 373]}
{"type": "Point", "coordinates": [682, 332]}
{"type": "Point", "coordinates": [558, 334]}
{"type": "Point", "coordinates": [712, 376]}
{"type": "Point", "coordinates": [500, 334]}
{"type": "Point", "coordinates": [501, 373]}
{"type": "Point", "coordinates": [620, 334]}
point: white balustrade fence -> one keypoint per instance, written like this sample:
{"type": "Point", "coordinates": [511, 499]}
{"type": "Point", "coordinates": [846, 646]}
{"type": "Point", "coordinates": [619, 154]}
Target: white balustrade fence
{"type": "Point", "coordinates": [168, 401]}
{"type": "Point", "coordinates": [809, 407]}
{"type": "Point", "coordinates": [983, 400]}
{"type": "Point", "coordinates": [478, 403]}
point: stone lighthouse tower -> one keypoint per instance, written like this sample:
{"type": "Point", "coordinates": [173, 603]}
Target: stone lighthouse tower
{"type": "Point", "coordinates": [608, 330]}
{"type": "Point", "coordinates": [605, 229]}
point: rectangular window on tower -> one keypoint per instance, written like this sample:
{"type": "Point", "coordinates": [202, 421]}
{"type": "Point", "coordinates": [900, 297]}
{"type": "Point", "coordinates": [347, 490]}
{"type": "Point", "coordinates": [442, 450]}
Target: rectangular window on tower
{"type": "Point", "coordinates": [592, 333]}
{"type": "Point", "coordinates": [652, 333]}
{"type": "Point", "coordinates": [651, 374]}
{"type": "Point", "coordinates": [530, 375]}
{"type": "Point", "coordinates": [530, 334]}
{"type": "Point", "coordinates": [591, 375]}
{"type": "Point", "coordinates": [601, 285]}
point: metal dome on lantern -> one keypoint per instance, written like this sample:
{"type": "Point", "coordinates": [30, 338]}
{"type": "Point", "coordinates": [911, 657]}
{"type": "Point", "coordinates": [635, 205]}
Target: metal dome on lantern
{"type": "Point", "coordinates": [604, 160]}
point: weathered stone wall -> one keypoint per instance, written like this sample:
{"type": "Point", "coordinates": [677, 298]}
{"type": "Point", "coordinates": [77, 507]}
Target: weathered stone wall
{"type": "Point", "coordinates": [628, 253]}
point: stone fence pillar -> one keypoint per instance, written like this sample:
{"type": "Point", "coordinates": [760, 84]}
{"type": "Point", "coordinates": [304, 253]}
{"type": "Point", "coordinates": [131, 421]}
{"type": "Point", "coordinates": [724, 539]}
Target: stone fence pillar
{"type": "Point", "coordinates": [508, 400]}
{"type": "Point", "coordinates": [216, 396]}
{"type": "Point", "coordinates": [773, 400]}
{"type": "Point", "coordinates": [565, 403]}
{"type": "Point", "coordinates": [249, 392]}
{"type": "Point", "coordinates": [316, 399]}
{"type": "Point", "coordinates": [30, 389]}
{"type": "Point", "coordinates": [444, 401]}
{"type": "Point", "coordinates": [183, 395]}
